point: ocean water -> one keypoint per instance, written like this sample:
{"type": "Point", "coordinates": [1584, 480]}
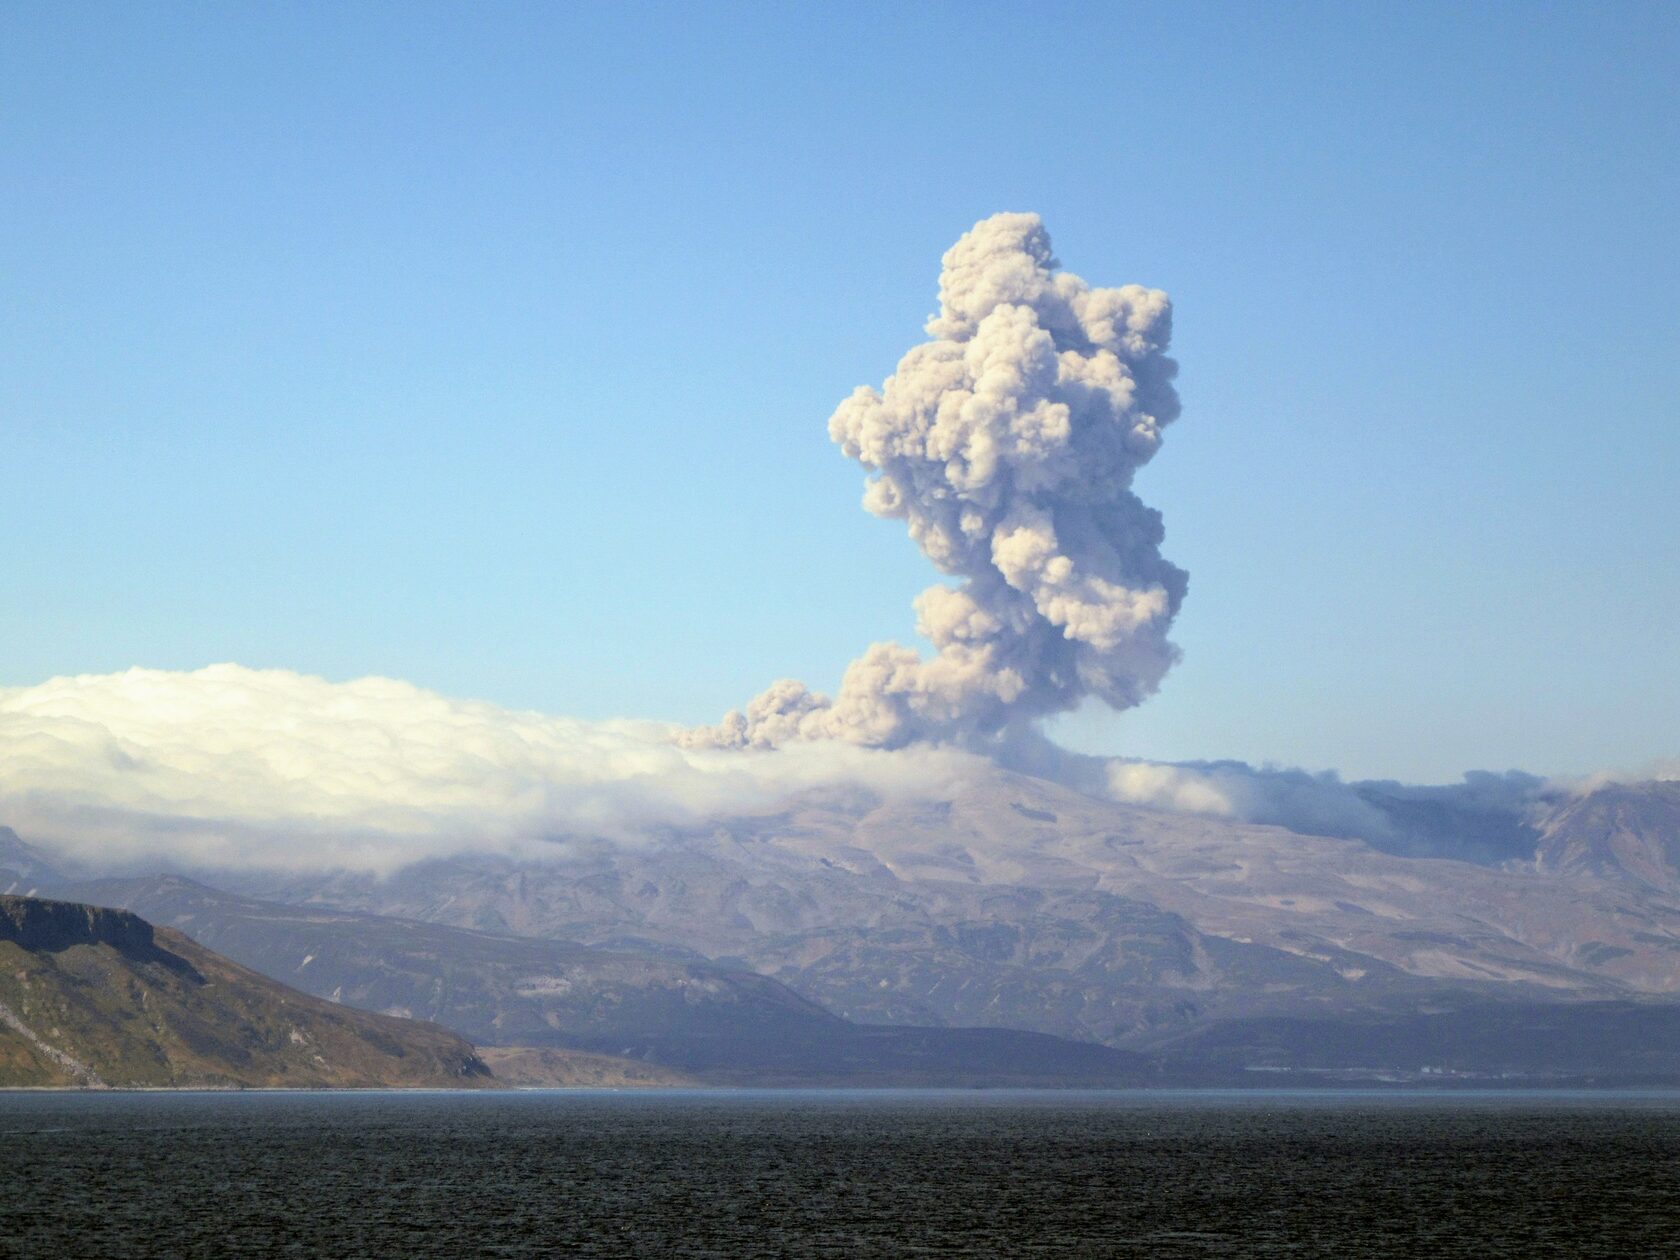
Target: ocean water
{"type": "Point", "coordinates": [890, 1173]}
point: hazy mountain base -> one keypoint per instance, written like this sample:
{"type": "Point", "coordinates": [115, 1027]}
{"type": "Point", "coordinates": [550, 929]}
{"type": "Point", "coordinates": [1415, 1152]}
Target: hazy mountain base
{"type": "Point", "coordinates": [717, 1022]}
{"type": "Point", "coordinates": [1490, 1040]}
{"type": "Point", "coordinates": [493, 989]}
{"type": "Point", "coordinates": [537, 1067]}
{"type": "Point", "coordinates": [707, 1022]}
{"type": "Point", "coordinates": [1470, 1034]}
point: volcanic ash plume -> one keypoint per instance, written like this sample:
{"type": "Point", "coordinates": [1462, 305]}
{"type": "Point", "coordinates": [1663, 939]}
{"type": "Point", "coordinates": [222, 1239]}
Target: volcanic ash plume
{"type": "Point", "coordinates": [1008, 444]}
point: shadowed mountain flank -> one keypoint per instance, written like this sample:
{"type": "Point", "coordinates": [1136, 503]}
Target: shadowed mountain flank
{"type": "Point", "coordinates": [22, 868]}
{"type": "Point", "coordinates": [699, 1021]}
{"type": "Point", "coordinates": [495, 989]}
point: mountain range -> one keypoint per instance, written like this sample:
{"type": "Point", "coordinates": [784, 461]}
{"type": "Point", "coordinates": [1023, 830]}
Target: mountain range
{"type": "Point", "coordinates": [840, 935]}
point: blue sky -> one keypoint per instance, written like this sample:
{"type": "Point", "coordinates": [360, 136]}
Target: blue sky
{"type": "Point", "coordinates": [491, 347]}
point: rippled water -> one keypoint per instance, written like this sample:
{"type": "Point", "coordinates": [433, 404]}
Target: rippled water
{"type": "Point", "coordinates": [838, 1174]}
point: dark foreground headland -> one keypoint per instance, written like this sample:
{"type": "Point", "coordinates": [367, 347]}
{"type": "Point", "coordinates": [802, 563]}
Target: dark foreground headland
{"type": "Point", "coordinates": [94, 997]}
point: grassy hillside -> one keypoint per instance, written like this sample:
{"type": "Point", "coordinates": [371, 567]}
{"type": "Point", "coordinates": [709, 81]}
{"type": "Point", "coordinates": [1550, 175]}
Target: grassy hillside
{"type": "Point", "coordinates": [97, 997]}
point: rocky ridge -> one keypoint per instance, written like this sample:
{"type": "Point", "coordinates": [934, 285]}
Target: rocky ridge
{"type": "Point", "coordinates": [96, 997]}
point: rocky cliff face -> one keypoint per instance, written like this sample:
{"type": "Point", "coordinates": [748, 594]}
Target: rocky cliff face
{"type": "Point", "coordinates": [35, 924]}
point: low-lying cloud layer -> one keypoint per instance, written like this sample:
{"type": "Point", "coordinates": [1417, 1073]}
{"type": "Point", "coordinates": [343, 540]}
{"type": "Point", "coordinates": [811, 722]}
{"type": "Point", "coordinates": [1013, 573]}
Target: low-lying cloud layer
{"type": "Point", "coordinates": [235, 767]}
{"type": "Point", "coordinates": [1485, 818]}
{"type": "Point", "coordinates": [1007, 444]}
{"type": "Point", "coordinates": [230, 767]}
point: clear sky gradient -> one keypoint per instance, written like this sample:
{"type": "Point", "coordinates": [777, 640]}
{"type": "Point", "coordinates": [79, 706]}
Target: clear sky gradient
{"type": "Point", "coordinates": [491, 347]}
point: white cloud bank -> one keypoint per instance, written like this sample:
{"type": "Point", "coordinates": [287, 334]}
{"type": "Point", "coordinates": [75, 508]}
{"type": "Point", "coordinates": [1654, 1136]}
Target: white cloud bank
{"type": "Point", "coordinates": [229, 767]}
{"type": "Point", "coordinates": [236, 767]}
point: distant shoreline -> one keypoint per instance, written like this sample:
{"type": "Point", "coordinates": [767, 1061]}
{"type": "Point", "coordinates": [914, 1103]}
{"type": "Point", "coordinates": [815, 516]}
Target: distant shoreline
{"type": "Point", "coordinates": [905, 1091]}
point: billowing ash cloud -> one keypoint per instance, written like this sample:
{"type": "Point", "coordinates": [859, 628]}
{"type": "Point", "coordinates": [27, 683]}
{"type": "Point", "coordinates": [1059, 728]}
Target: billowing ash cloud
{"type": "Point", "coordinates": [234, 767]}
{"type": "Point", "coordinates": [1008, 444]}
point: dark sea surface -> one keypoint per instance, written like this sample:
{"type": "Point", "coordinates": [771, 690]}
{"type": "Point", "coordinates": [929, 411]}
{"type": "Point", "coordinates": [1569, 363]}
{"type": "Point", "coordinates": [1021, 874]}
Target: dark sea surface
{"type": "Point", "coordinates": [891, 1173]}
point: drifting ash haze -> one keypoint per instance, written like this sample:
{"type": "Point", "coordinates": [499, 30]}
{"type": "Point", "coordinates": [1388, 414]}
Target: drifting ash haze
{"type": "Point", "coordinates": [1007, 444]}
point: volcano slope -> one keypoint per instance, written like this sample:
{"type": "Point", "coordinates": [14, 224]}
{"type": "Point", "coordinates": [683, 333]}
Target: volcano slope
{"type": "Point", "coordinates": [1015, 902]}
